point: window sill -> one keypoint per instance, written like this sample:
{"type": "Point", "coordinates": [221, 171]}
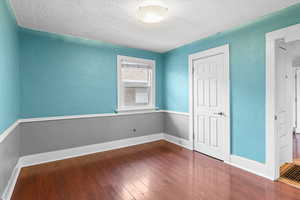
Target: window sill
{"type": "Point", "coordinates": [136, 110]}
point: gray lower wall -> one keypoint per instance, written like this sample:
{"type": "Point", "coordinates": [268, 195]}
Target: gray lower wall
{"type": "Point", "coordinates": [176, 125]}
{"type": "Point", "coordinates": [9, 155]}
{"type": "Point", "coordinates": [45, 136]}
{"type": "Point", "coordinates": [38, 137]}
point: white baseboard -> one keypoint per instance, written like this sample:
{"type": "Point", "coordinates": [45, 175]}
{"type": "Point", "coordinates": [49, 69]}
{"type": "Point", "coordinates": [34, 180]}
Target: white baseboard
{"type": "Point", "coordinates": [236, 161]}
{"type": "Point", "coordinates": [251, 166]}
{"type": "Point", "coordinates": [254, 167]}
{"type": "Point", "coordinates": [95, 148]}
{"type": "Point", "coordinates": [179, 141]}
{"type": "Point", "coordinates": [11, 183]}
{"type": "Point", "coordinates": [70, 153]}
{"type": "Point", "coordinates": [84, 150]}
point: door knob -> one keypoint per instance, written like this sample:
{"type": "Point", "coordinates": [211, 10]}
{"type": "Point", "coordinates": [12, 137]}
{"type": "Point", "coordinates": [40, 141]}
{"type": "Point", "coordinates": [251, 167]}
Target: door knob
{"type": "Point", "coordinates": [220, 113]}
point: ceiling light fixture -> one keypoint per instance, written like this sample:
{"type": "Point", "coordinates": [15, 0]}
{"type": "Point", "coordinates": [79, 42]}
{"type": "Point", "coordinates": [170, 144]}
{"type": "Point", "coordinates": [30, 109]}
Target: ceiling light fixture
{"type": "Point", "coordinates": [151, 13]}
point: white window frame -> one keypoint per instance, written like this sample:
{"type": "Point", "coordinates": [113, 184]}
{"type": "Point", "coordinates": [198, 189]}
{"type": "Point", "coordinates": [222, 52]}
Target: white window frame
{"type": "Point", "coordinates": [141, 61]}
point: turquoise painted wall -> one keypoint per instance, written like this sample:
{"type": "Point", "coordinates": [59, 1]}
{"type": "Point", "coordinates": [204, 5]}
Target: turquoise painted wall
{"type": "Point", "coordinates": [9, 67]}
{"type": "Point", "coordinates": [247, 71]}
{"type": "Point", "coordinates": [64, 75]}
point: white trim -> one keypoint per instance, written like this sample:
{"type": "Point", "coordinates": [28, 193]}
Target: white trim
{"type": "Point", "coordinates": [239, 162]}
{"type": "Point", "coordinates": [210, 52]}
{"type": "Point", "coordinates": [251, 166]}
{"type": "Point", "coordinates": [38, 119]}
{"type": "Point", "coordinates": [136, 109]}
{"type": "Point", "coordinates": [148, 62]}
{"type": "Point", "coordinates": [11, 183]}
{"type": "Point", "coordinates": [135, 63]}
{"type": "Point", "coordinates": [272, 154]}
{"type": "Point", "coordinates": [191, 102]}
{"type": "Point", "coordinates": [179, 141]}
{"type": "Point", "coordinates": [129, 112]}
{"type": "Point", "coordinates": [84, 116]}
{"type": "Point", "coordinates": [242, 163]}
{"type": "Point", "coordinates": [85, 150]}
{"type": "Point", "coordinates": [175, 112]}
{"type": "Point", "coordinates": [15, 173]}
{"type": "Point", "coordinates": [5, 133]}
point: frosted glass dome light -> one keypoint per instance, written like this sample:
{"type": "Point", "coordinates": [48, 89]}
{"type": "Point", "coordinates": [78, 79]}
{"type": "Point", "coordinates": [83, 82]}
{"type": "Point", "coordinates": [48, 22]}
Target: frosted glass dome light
{"type": "Point", "coordinates": [152, 13]}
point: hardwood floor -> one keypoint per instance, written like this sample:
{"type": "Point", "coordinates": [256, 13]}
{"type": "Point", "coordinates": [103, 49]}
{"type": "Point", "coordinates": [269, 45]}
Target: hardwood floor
{"type": "Point", "coordinates": [156, 171]}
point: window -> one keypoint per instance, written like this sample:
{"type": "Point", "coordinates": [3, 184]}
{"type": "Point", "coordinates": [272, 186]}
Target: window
{"type": "Point", "coordinates": [136, 84]}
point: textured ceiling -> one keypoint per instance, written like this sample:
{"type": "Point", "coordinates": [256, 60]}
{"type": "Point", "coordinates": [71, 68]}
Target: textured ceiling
{"type": "Point", "coordinates": [115, 21]}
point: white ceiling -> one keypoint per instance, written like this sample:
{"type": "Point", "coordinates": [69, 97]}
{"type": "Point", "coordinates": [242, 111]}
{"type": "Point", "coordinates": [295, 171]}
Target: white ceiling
{"type": "Point", "coordinates": [115, 21]}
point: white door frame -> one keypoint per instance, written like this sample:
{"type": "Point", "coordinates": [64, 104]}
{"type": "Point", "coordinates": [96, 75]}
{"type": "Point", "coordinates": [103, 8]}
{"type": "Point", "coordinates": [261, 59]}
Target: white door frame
{"type": "Point", "coordinates": [210, 52]}
{"type": "Point", "coordinates": [290, 33]}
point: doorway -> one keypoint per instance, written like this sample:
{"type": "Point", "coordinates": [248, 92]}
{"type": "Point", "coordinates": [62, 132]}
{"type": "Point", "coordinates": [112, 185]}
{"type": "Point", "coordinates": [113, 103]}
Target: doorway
{"type": "Point", "coordinates": [287, 88]}
{"type": "Point", "coordinates": [294, 51]}
{"type": "Point", "coordinates": [281, 101]}
{"type": "Point", "coordinates": [210, 102]}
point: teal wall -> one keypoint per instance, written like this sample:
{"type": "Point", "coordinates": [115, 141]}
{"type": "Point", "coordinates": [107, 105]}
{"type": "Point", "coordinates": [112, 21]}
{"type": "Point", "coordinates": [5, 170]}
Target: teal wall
{"type": "Point", "coordinates": [247, 71]}
{"type": "Point", "coordinates": [9, 67]}
{"type": "Point", "coordinates": [63, 75]}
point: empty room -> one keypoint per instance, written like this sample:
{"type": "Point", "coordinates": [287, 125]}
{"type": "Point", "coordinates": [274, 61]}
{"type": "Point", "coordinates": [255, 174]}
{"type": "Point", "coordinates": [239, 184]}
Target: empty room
{"type": "Point", "coordinates": [149, 99]}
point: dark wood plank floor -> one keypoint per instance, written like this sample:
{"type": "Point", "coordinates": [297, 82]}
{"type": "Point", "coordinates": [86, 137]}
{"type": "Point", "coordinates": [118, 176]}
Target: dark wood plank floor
{"type": "Point", "coordinates": [158, 171]}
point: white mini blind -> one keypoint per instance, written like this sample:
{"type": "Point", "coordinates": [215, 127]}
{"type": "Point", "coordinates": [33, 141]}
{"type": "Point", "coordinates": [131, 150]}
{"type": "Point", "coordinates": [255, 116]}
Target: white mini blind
{"type": "Point", "coordinates": [135, 64]}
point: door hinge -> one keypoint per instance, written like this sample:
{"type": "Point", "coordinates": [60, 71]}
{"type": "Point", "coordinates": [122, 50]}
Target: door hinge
{"type": "Point", "coordinates": [193, 70]}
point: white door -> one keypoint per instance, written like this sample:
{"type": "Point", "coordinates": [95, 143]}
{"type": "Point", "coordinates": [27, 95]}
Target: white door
{"type": "Point", "coordinates": [297, 98]}
{"type": "Point", "coordinates": [283, 102]}
{"type": "Point", "coordinates": [211, 105]}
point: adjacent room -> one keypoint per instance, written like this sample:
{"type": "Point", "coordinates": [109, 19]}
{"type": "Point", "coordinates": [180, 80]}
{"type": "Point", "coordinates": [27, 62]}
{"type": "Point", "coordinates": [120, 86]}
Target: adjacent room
{"type": "Point", "coordinates": [287, 107]}
{"type": "Point", "coordinates": [149, 99]}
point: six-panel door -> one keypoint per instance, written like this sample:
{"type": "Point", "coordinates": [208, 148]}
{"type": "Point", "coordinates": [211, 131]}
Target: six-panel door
{"type": "Point", "coordinates": [210, 118]}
